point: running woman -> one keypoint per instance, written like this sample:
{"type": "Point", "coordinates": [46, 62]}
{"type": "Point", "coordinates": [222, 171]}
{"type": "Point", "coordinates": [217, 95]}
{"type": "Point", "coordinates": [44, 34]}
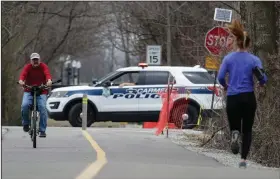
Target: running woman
{"type": "Point", "coordinates": [241, 105]}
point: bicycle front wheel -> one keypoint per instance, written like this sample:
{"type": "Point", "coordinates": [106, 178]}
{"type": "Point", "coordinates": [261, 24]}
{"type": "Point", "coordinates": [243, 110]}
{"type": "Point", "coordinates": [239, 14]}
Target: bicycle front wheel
{"type": "Point", "coordinates": [34, 133]}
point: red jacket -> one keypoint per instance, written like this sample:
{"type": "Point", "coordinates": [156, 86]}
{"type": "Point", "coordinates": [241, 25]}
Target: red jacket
{"type": "Point", "coordinates": [35, 76]}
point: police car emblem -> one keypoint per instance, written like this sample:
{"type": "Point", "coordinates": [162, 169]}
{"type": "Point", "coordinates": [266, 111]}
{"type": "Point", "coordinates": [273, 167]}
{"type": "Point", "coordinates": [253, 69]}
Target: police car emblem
{"type": "Point", "coordinates": [106, 92]}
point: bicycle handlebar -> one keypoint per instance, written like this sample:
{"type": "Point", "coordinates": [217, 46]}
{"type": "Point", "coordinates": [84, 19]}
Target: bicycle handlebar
{"type": "Point", "coordinates": [42, 86]}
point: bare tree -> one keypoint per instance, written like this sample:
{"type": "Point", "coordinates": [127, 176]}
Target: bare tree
{"type": "Point", "coordinates": [261, 20]}
{"type": "Point", "coordinates": [49, 28]}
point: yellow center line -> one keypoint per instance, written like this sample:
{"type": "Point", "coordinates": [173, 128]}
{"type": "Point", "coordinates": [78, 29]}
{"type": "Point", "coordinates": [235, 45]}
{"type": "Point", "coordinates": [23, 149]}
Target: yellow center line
{"type": "Point", "coordinates": [92, 170]}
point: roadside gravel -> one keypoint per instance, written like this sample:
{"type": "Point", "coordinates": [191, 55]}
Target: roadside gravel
{"type": "Point", "coordinates": [185, 139]}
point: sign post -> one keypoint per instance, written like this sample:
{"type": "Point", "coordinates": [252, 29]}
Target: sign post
{"type": "Point", "coordinates": [222, 15]}
{"type": "Point", "coordinates": [212, 63]}
{"type": "Point", "coordinates": [216, 41]}
{"type": "Point", "coordinates": [153, 55]}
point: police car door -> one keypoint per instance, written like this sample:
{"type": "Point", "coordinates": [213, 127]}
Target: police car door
{"type": "Point", "coordinates": [121, 99]}
{"type": "Point", "coordinates": [151, 84]}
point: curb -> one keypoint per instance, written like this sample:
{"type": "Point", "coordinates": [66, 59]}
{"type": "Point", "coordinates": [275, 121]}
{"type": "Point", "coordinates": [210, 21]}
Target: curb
{"type": "Point", "coordinates": [4, 131]}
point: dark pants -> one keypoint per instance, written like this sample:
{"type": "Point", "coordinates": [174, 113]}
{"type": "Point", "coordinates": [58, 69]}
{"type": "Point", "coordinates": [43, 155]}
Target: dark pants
{"type": "Point", "coordinates": [242, 107]}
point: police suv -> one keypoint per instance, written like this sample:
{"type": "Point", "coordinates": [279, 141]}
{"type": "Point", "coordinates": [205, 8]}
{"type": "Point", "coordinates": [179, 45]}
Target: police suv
{"type": "Point", "coordinates": [140, 100]}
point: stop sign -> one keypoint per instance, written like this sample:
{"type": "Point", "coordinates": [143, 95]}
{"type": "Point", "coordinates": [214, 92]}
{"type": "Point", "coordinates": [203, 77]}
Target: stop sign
{"type": "Point", "coordinates": [216, 40]}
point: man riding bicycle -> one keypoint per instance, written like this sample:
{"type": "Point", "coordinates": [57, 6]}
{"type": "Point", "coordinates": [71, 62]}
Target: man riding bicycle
{"type": "Point", "coordinates": [35, 73]}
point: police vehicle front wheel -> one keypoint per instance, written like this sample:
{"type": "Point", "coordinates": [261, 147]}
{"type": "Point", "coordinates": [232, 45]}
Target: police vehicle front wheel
{"type": "Point", "coordinates": [74, 115]}
{"type": "Point", "coordinates": [191, 122]}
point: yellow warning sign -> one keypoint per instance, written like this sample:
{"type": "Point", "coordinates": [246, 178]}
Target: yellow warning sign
{"type": "Point", "coordinates": [212, 63]}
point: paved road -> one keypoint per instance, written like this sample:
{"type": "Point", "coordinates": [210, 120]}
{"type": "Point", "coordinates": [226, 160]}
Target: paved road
{"type": "Point", "coordinates": [62, 155]}
{"type": "Point", "coordinates": [130, 154]}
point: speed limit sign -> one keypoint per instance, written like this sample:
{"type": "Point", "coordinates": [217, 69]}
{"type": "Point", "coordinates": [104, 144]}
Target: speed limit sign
{"type": "Point", "coordinates": [153, 56]}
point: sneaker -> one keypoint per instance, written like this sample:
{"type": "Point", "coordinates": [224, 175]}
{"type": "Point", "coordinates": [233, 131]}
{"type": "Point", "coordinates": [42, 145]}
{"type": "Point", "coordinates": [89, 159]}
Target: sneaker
{"type": "Point", "coordinates": [235, 142]}
{"type": "Point", "coordinates": [42, 134]}
{"type": "Point", "coordinates": [25, 128]}
{"type": "Point", "coordinates": [242, 164]}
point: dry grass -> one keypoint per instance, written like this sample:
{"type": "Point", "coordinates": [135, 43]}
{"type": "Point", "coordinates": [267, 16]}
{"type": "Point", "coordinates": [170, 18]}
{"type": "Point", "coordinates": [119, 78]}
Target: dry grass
{"type": "Point", "coordinates": [53, 123]}
{"type": "Point", "coordinates": [265, 147]}
{"type": "Point", "coordinates": [109, 124]}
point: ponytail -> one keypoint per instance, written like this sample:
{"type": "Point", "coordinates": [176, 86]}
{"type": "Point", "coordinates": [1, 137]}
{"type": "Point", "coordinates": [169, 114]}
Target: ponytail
{"type": "Point", "coordinates": [242, 38]}
{"type": "Point", "coordinates": [245, 34]}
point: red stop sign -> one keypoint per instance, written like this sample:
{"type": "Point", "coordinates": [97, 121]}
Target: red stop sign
{"type": "Point", "coordinates": [216, 40]}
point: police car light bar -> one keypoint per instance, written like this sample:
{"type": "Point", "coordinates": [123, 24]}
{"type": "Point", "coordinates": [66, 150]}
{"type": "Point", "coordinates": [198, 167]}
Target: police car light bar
{"type": "Point", "coordinates": [143, 65]}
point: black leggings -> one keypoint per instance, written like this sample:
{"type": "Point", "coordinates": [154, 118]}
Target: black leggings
{"type": "Point", "coordinates": [242, 107]}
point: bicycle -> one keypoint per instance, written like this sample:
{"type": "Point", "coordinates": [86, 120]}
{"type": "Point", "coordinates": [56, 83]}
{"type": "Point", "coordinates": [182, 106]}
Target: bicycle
{"type": "Point", "coordinates": [34, 114]}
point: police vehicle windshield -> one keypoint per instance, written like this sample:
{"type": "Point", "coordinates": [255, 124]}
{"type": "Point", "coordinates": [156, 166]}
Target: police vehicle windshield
{"type": "Point", "coordinates": [199, 77]}
{"type": "Point", "coordinates": [108, 76]}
